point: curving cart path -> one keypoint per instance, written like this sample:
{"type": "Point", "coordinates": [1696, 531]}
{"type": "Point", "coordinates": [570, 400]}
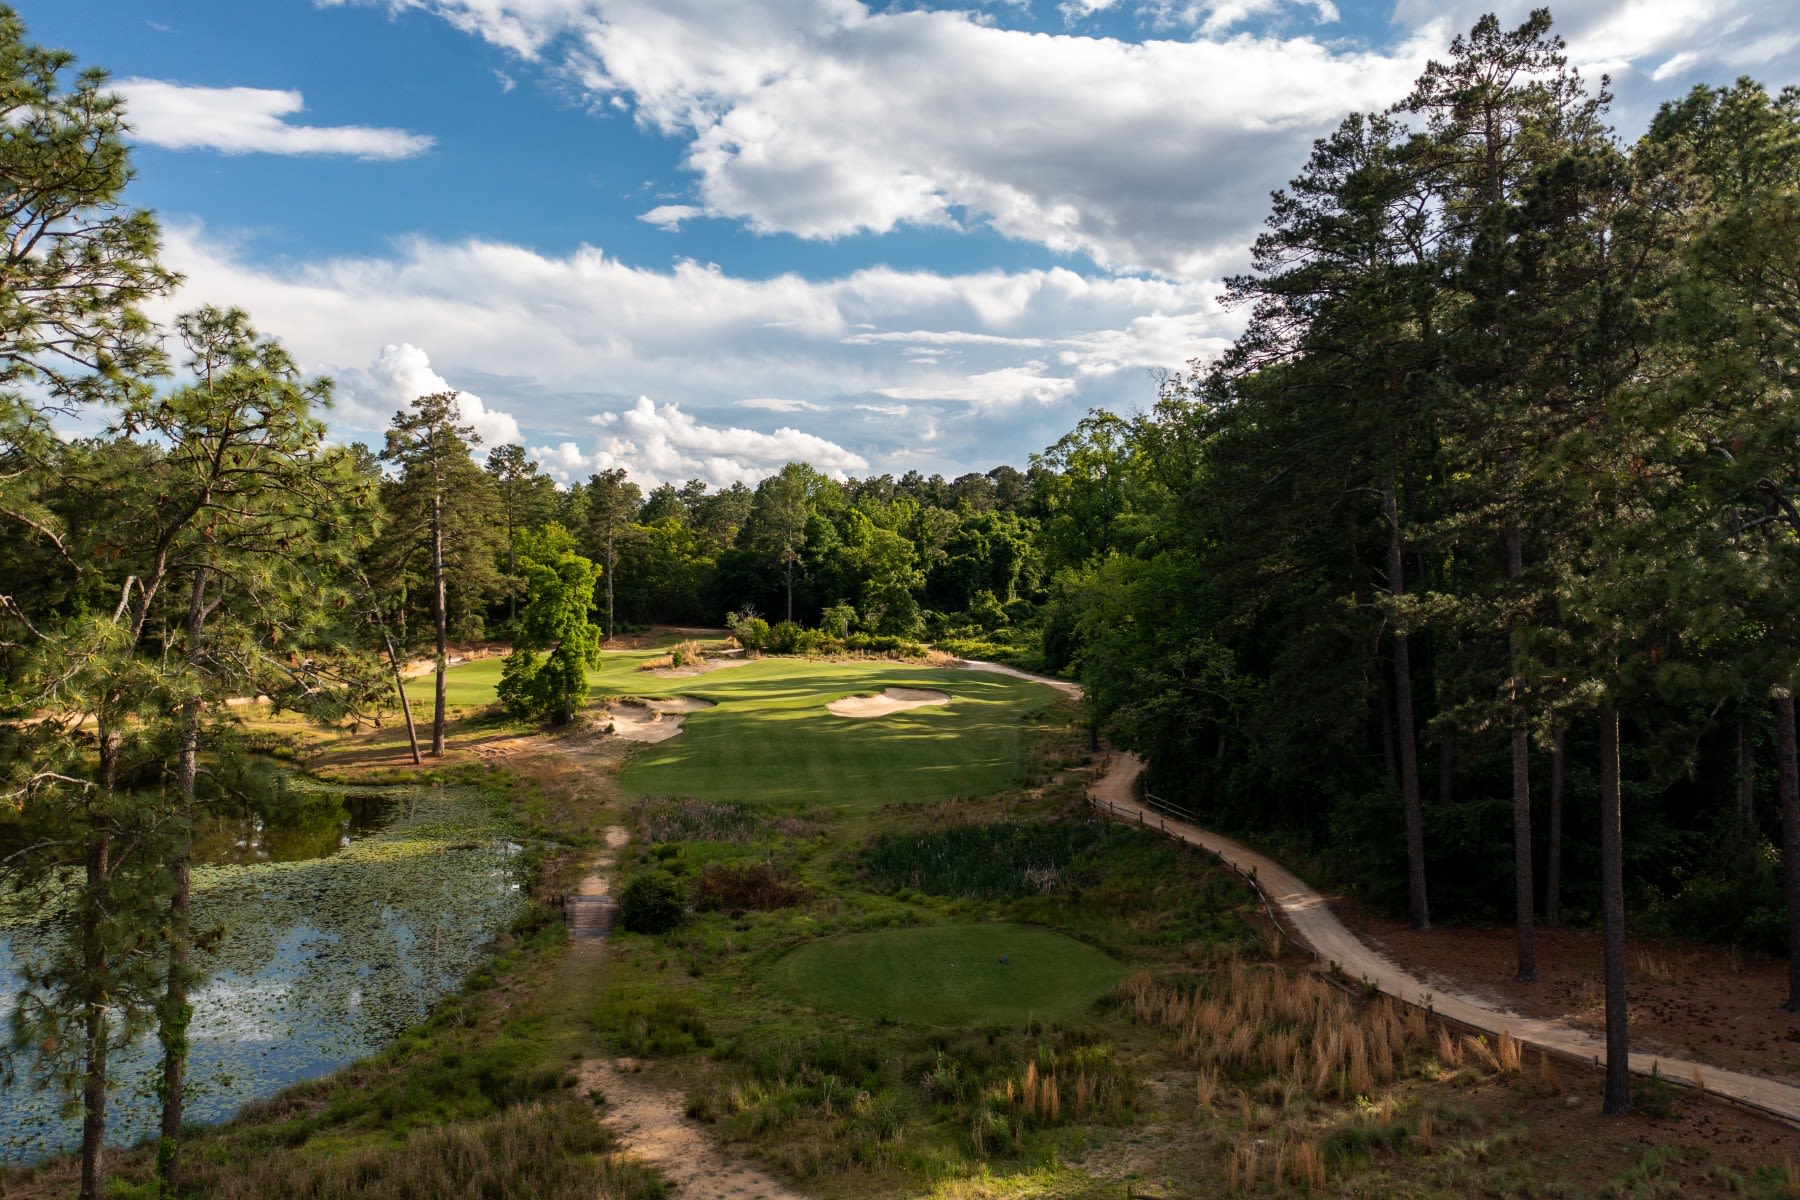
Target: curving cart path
{"type": "Point", "coordinates": [1309, 916]}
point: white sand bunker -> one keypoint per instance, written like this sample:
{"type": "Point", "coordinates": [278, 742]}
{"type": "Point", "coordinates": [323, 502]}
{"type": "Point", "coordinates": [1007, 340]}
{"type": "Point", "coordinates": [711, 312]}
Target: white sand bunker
{"type": "Point", "coordinates": [894, 699]}
{"type": "Point", "coordinates": [653, 720]}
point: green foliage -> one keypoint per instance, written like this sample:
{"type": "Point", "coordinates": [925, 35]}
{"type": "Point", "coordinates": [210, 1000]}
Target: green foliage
{"type": "Point", "coordinates": [558, 600]}
{"type": "Point", "coordinates": [653, 902]}
{"type": "Point", "coordinates": [645, 1024]}
{"type": "Point", "coordinates": [1000, 861]}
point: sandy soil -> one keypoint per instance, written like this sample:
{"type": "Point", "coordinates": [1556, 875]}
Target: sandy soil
{"type": "Point", "coordinates": [1715, 1006]}
{"type": "Point", "coordinates": [892, 700]}
{"type": "Point", "coordinates": [647, 1114]}
{"type": "Point", "coordinates": [651, 720]}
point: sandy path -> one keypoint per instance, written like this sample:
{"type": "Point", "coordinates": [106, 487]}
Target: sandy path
{"type": "Point", "coordinates": [1061, 685]}
{"type": "Point", "coordinates": [891, 700]}
{"type": "Point", "coordinates": [1307, 913]}
{"type": "Point", "coordinates": [649, 1120]}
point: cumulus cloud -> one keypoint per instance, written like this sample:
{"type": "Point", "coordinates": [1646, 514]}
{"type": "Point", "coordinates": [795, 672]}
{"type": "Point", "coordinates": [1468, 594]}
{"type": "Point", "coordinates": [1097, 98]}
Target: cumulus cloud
{"type": "Point", "coordinates": [662, 444]}
{"type": "Point", "coordinates": [400, 374]}
{"type": "Point", "coordinates": [1001, 362]}
{"type": "Point", "coordinates": [828, 118]}
{"type": "Point", "coordinates": [246, 120]}
{"type": "Point", "coordinates": [670, 216]}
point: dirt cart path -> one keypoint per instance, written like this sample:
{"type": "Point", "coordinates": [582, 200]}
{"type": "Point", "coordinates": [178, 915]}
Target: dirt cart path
{"type": "Point", "coordinates": [1312, 920]}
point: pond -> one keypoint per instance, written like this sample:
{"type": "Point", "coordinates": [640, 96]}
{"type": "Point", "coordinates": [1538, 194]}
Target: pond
{"type": "Point", "coordinates": [343, 921]}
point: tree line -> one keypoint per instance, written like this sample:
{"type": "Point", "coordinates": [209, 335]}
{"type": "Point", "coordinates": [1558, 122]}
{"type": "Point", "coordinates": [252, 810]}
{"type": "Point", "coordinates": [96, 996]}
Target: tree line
{"type": "Point", "coordinates": [1498, 486]}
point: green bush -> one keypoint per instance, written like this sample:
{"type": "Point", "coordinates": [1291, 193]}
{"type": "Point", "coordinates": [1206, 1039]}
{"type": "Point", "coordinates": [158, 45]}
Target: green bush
{"type": "Point", "coordinates": [652, 903]}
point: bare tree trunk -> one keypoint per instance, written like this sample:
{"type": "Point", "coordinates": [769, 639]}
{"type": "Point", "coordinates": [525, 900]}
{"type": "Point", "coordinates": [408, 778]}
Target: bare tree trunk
{"type": "Point", "coordinates": [1790, 837]}
{"type": "Point", "coordinates": [95, 1031]}
{"type": "Point", "coordinates": [1553, 868]}
{"type": "Point", "coordinates": [1743, 825]}
{"type": "Point", "coordinates": [1612, 907]}
{"type": "Point", "coordinates": [1405, 735]}
{"type": "Point", "coordinates": [1523, 889]}
{"type": "Point", "coordinates": [95, 1024]}
{"type": "Point", "coordinates": [172, 1022]}
{"type": "Point", "coordinates": [442, 616]}
{"type": "Point", "coordinates": [609, 588]}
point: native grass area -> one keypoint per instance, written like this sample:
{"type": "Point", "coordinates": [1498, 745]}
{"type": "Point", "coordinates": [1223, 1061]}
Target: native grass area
{"type": "Point", "coordinates": [1126, 1022]}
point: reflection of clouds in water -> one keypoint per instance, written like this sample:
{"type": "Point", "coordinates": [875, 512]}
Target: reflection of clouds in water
{"type": "Point", "coordinates": [322, 963]}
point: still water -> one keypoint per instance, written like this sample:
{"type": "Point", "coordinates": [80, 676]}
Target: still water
{"type": "Point", "coordinates": [341, 922]}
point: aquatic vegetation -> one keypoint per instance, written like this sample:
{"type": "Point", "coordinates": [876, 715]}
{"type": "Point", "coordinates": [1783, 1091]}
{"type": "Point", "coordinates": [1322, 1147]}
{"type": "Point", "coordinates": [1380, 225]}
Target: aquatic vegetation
{"type": "Point", "coordinates": [318, 962]}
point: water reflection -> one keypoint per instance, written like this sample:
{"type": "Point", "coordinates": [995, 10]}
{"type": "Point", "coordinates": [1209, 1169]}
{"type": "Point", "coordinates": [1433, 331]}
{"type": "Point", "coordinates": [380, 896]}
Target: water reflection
{"type": "Point", "coordinates": [296, 825]}
{"type": "Point", "coordinates": [344, 915]}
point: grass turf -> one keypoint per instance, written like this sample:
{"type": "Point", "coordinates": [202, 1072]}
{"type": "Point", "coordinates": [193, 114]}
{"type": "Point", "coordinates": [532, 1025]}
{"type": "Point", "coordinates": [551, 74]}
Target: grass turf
{"type": "Point", "coordinates": [771, 740]}
{"type": "Point", "coordinates": [955, 975]}
{"type": "Point", "coordinates": [473, 685]}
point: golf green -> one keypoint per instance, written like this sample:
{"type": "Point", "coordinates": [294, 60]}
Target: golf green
{"type": "Point", "coordinates": [949, 974]}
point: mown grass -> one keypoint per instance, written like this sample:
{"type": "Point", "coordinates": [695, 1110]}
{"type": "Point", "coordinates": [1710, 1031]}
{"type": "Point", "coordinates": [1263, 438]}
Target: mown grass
{"type": "Point", "coordinates": [771, 740]}
{"type": "Point", "coordinates": [989, 974]}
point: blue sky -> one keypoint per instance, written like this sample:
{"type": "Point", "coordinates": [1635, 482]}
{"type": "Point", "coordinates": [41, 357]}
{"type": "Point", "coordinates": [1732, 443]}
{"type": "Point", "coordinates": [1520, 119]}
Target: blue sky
{"type": "Point", "coordinates": [699, 239]}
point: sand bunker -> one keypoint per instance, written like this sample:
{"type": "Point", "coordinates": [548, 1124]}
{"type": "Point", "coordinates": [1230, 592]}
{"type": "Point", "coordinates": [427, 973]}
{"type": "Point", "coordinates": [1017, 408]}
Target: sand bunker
{"type": "Point", "coordinates": [894, 699]}
{"type": "Point", "coordinates": [653, 720]}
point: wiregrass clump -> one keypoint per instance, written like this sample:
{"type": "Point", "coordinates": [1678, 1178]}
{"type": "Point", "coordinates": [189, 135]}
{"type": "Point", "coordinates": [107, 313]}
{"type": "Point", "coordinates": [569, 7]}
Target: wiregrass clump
{"type": "Point", "coordinates": [994, 861]}
{"type": "Point", "coordinates": [551, 1149]}
{"type": "Point", "coordinates": [691, 819]}
{"type": "Point", "coordinates": [1267, 1022]}
{"type": "Point", "coordinates": [754, 888]}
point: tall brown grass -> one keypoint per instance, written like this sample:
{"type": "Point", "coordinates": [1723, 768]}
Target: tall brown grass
{"type": "Point", "coordinates": [1257, 1020]}
{"type": "Point", "coordinates": [553, 1149]}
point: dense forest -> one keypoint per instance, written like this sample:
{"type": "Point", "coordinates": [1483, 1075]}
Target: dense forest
{"type": "Point", "coordinates": [1483, 535]}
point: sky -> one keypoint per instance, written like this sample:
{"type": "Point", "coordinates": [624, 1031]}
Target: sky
{"type": "Point", "coordinates": [703, 238]}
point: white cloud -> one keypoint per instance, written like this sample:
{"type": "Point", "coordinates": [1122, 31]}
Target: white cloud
{"type": "Point", "coordinates": [662, 444]}
{"type": "Point", "coordinates": [245, 120]}
{"type": "Point", "coordinates": [670, 216]}
{"type": "Point", "coordinates": [782, 405]}
{"type": "Point", "coordinates": [402, 373]}
{"type": "Point", "coordinates": [829, 118]}
{"type": "Point", "coordinates": [1006, 362]}
{"type": "Point", "coordinates": [991, 389]}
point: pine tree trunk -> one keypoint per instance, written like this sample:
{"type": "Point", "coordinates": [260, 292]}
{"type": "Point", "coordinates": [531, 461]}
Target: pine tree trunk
{"type": "Point", "coordinates": [95, 1025]}
{"type": "Point", "coordinates": [1523, 889]}
{"type": "Point", "coordinates": [1743, 825]}
{"type": "Point", "coordinates": [1790, 838]}
{"type": "Point", "coordinates": [95, 1030]}
{"type": "Point", "coordinates": [1553, 868]}
{"type": "Point", "coordinates": [1612, 907]}
{"type": "Point", "coordinates": [172, 1022]}
{"type": "Point", "coordinates": [609, 589]}
{"type": "Point", "coordinates": [442, 616]}
{"type": "Point", "coordinates": [1405, 736]}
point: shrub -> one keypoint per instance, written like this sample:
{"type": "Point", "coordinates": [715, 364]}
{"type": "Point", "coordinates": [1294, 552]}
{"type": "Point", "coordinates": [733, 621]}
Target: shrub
{"type": "Point", "coordinates": [784, 637]}
{"type": "Point", "coordinates": [745, 889]}
{"type": "Point", "coordinates": [652, 903]}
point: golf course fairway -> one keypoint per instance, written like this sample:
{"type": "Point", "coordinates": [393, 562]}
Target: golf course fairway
{"type": "Point", "coordinates": [771, 740]}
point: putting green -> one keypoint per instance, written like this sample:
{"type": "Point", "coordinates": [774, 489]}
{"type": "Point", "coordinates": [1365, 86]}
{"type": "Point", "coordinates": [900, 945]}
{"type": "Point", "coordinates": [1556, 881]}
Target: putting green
{"type": "Point", "coordinates": [949, 974]}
